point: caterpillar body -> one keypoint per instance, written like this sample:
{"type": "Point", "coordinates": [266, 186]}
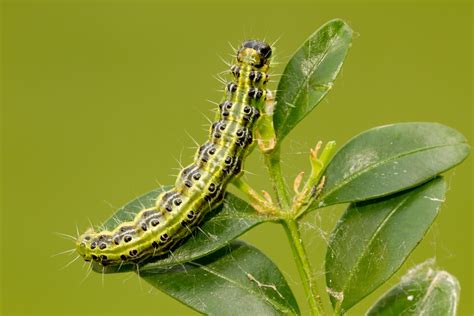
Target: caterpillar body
{"type": "Point", "coordinates": [199, 187]}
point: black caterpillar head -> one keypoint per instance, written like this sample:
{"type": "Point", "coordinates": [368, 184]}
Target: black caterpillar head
{"type": "Point", "coordinates": [255, 53]}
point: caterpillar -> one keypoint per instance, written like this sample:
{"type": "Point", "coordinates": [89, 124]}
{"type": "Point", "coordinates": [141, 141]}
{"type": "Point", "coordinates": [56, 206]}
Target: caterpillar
{"type": "Point", "coordinates": [200, 187]}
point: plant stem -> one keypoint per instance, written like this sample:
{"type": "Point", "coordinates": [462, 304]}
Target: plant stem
{"type": "Point", "coordinates": [272, 161]}
{"type": "Point", "coordinates": [304, 268]}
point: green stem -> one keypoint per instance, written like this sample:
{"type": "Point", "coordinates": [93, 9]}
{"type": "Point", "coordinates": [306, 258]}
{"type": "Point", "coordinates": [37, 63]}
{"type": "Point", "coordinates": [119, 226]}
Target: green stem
{"type": "Point", "coordinates": [304, 268]}
{"type": "Point", "coordinates": [272, 161]}
{"type": "Point", "coordinates": [261, 205]}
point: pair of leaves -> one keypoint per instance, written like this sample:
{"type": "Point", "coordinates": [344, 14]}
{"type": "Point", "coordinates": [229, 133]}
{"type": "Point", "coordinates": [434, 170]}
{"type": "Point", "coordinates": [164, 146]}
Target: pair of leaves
{"type": "Point", "coordinates": [384, 221]}
{"type": "Point", "coordinates": [210, 267]}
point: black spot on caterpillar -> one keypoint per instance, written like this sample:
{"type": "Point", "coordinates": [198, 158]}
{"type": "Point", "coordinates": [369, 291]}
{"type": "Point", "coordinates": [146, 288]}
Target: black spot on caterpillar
{"type": "Point", "coordinates": [200, 186]}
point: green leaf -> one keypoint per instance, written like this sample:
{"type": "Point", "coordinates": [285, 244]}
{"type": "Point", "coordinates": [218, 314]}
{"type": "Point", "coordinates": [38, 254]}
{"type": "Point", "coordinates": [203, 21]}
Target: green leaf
{"type": "Point", "coordinates": [237, 280]}
{"type": "Point", "coordinates": [373, 239]}
{"type": "Point", "coordinates": [391, 158]}
{"type": "Point", "coordinates": [233, 218]}
{"type": "Point", "coordinates": [309, 75]}
{"type": "Point", "coordinates": [424, 290]}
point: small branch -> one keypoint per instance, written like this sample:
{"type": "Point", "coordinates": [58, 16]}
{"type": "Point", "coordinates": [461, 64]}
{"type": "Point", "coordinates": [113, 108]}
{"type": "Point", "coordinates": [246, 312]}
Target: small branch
{"type": "Point", "coordinates": [272, 161]}
{"type": "Point", "coordinates": [304, 268]}
{"type": "Point", "coordinates": [315, 183]}
{"type": "Point", "coordinates": [259, 203]}
{"type": "Point", "coordinates": [267, 143]}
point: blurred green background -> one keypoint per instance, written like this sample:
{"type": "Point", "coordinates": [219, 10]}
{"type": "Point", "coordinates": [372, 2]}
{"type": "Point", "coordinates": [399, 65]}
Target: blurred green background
{"type": "Point", "coordinates": [99, 98]}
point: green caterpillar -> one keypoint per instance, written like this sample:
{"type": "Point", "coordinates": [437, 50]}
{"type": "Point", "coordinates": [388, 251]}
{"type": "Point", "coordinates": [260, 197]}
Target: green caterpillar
{"type": "Point", "coordinates": [200, 187]}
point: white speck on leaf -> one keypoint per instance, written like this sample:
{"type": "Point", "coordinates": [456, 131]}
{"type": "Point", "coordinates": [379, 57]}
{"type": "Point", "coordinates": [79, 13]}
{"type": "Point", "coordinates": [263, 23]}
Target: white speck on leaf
{"type": "Point", "coordinates": [362, 160]}
{"type": "Point", "coordinates": [307, 65]}
{"type": "Point", "coordinates": [339, 296]}
{"type": "Point", "coordinates": [433, 199]}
